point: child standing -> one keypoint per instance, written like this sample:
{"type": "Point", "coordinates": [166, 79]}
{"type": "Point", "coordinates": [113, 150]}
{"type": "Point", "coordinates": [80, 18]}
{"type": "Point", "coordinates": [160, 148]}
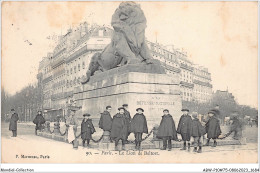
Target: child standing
{"type": "Point", "coordinates": [119, 129]}
{"type": "Point", "coordinates": [184, 128]}
{"type": "Point", "coordinates": [167, 130]}
{"type": "Point", "coordinates": [197, 130]}
{"type": "Point", "coordinates": [87, 129]}
{"type": "Point", "coordinates": [212, 128]}
{"type": "Point", "coordinates": [138, 127]}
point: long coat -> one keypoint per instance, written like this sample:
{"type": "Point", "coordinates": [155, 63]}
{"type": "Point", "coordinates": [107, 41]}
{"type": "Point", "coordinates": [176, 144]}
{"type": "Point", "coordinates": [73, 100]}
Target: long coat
{"type": "Point", "coordinates": [139, 124]}
{"type": "Point", "coordinates": [39, 120]}
{"type": "Point", "coordinates": [13, 122]}
{"type": "Point", "coordinates": [105, 121]}
{"type": "Point", "coordinates": [197, 129]}
{"type": "Point", "coordinates": [128, 118]}
{"type": "Point", "coordinates": [167, 128]}
{"type": "Point", "coordinates": [184, 126]}
{"type": "Point", "coordinates": [213, 128]}
{"type": "Point", "coordinates": [119, 127]}
{"type": "Point", "coordinates": [87, 129]}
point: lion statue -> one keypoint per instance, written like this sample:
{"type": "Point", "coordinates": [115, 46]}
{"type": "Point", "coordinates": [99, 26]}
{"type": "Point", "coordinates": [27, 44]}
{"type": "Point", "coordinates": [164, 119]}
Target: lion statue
{"type": "Point", "coordinates": [127, 45]}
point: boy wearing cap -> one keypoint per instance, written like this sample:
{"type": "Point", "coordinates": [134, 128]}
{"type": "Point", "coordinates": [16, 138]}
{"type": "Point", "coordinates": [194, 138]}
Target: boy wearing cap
{"type": "Point", "coordinates": [119, 130]}
{"type": "Point", "coordinates": [13, 123]}
{"type": "Point", "coordinates": [105, 121]}
{"type": "Point", "coordinates": [184, 128]}
{"type": "Point", "coordinates": [212, 128]}
{"type": "Point", "coordinates": [167, 130]}
{"type": "Point", "coordinates": [197, 130]}
{"type": "Point", "coordinates": [87, 129]}
{"type": "Point", "coordinates": [38, 120]}
{"type": "Point", "coordinates": [138, 127]}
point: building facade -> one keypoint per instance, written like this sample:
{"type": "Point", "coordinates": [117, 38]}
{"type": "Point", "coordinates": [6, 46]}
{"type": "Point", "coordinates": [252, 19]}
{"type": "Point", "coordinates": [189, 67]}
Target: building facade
{"type": "Point", "coordinates": [195, 80]}
{"type": "Point", "coordinates": [61, 70]}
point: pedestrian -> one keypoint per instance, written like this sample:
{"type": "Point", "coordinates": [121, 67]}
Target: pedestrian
{"type": "Point", "coordinates": [218, 114]}
{"type": "Point", "coordinates": [184, 128]}
{"type": "Point", "coordinates": [87, 129]}
{"type": "Point", "coordinates": [128, 118]}
{"type": "Point", "coordinates": [105, 121]}
{"type": "Point", "coordinates": [167, 130]}
{"type": "Point", "coordinates": [39, 121]}
{"type": "Point", "coordinates": [212, 128]}
{"type": "Point", "coordinates": [13, 123]}
{"type": "Point", "coordinates": [197, 131]}
{"type": "Point", "coordinates": [138, 127]}
{"type": "Point", "coordinates": [72, 124]}
{"type": "Point", "coordinates": [236, 126]}
{"type": "Point", "coordinates": [119, 130]}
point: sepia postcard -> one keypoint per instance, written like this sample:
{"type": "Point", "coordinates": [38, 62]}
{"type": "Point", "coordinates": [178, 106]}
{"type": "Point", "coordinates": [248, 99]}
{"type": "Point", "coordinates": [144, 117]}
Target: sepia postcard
{"type": "Point", "coordinates": [129, 82]}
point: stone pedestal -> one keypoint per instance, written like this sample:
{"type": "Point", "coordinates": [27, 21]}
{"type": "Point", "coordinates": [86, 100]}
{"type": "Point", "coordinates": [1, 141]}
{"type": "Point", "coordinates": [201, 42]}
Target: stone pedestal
{"type": "Point", "coordinates": [152, 92]}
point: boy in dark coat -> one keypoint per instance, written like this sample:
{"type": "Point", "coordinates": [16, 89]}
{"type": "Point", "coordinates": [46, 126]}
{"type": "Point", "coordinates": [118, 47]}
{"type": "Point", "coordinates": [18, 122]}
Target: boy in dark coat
{"type": "Point", "coordinates": [39, 121]}
{"type": "Point", "coordinates": [212, 128]}
{"type": "Point", "coordinates": [13, 123]}
{"type": "Point", "coordinates": [87, 129]}
{"type": "Point", "coordinates": [167, 130]}
{"type": "Point", "coordinates": [138, 127]}
{"type": "Point", "coordinates": [105, 121]}
{"type": "Point", "coordinates": [128, 118]}
{"type": "Point", "coordinates": [119, 129]}
{"type": "Point", "coordinates": [196, 131]}
{"type": "Point", "coordinates": [184, 128]}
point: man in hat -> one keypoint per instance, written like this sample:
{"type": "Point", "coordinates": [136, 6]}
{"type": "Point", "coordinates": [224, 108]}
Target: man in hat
{"type": "Point", "coordinates": [119, 130]}
{"type": "Point", "coordinates": [236, 126]}
{"type": "Point", "coordinates": [128, 118]}
{"type": "Point", "coordinates": [184, 128]}
{"type": "Point", "coordinates": [39, 121]}
{"type": "Point", "coordinates": [72, 124]}
{"type": "Point", "coordinates": [13, 123]}
{"type": "Point", "coordinates": [167, 130]}
{"type": "Point", "coordinates": [138, 127]}
{"type": "Point", "coordinates": [105, 121]}
{"type": "Point", "coordinates": [212, 128]}
{"type": "Point", "coordinates": [87, 129]}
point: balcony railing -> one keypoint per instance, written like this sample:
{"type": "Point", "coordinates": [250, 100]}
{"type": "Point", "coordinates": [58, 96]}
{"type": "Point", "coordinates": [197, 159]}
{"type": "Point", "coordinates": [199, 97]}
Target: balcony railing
{"type": "Point", "coordinates": [77, 53]}
{"type": "Point", "coordinates": [186, 84]}
{"type": "Point", "coordinates": [202, 83]}
{"type": "Point", "coordinates": [168, 67]}
{"type": "Point", "coordinates": [185, 66]}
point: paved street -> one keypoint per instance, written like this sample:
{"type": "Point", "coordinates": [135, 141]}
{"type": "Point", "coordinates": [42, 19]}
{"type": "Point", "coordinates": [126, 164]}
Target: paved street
{"type": "Point", "coordinates": [28, 148]}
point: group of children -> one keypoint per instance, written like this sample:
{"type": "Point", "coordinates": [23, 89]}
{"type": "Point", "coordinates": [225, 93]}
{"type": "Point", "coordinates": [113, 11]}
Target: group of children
{"type": "Point", "coordinates": [121, 125]}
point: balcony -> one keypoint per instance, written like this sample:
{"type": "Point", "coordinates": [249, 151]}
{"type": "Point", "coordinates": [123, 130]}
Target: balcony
{"type": "Point", "coordinates": [47, 79]}
{"type": "Point", "coordinates": [77, 53]}
{"type": "Point", "coordinates": [202, 83]}
{"type": "Point", "coordinates": [186, 84]}
{"type": "Point", "coordinates": [171, 68]}
{"type": "Point", "coordinates": [186, 67]}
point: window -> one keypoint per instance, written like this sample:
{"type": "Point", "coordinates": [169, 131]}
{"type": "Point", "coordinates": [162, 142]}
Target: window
{"type": "Point", "coordinates": [75, 69]}
{"type": "Point", "coordinates": [83, 65]}
{"type": "Point", "coordinates": [70, 70]}
{"type": "Point", "coordinates": [79, 67]}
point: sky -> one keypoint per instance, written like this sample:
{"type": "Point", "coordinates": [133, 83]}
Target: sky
{"type": "Point", "coordinates": [221, 36]}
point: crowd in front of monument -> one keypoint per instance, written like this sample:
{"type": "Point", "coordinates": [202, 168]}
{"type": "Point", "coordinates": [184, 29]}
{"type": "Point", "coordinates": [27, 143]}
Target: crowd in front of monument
{"type": "Point", "coordinates": [122, 124]}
